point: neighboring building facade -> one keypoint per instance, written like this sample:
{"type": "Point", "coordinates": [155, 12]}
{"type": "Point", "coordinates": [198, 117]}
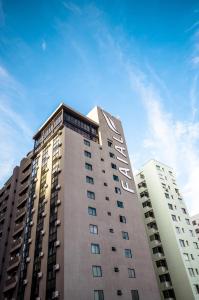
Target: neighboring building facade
{"type": "Point", "coordinates": [195, 222]}
{"type": "Point", "coordinates": [83, 233]}
{"type": "Point", "coordinates": [173, 243]}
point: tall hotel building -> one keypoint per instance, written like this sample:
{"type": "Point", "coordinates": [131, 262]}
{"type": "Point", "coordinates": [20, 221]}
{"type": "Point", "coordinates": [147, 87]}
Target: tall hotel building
{"type": "Point", "coordinates": [173, 242]}
{"type": "Point", "coordinates": [70, 225]}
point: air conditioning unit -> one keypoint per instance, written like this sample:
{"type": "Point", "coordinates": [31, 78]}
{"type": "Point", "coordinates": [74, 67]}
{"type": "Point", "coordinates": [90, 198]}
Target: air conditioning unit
{"type": "Point", "coordinates": [57, 243]}
{"type": "Point", "coordinates": [40, 274]}
{"type": "Point", "coordinates": [58, 187]}
{"type": "Point", "coordinates": [45, 185]}
{"type": "Point", "coordinates": [58, 201]}
{"type": "Point", "coordinates": [60, 144]}
{"type": "Point", "coordinates": [33, 210]}
{"type": "Point", "coordinates": [55, 294]}
{"type": "Point", "coordinates": [29, 241]}
{"type": "Point", "coordinates": [25, 281]}
{"type": "Point", "coordinates": [27, 259]}
{"type": "Point", "coordinates": [57, 223]}
{"type": "Point", "coordinates": [34, 196]}
{"type": "Point", "coordinates": [60, 132]}
{"type": "Point", "coordinates": [41, 254]}
{"type": "Point", "coordinates": [43, 214]}
{"type": "Point", "coordinates": [31, 223]}
{"type": "Point", "coordinates": [56, 267]}
{"type": "Point", "coordinates": [42, 231]}
{"type": "Point", "coordinates": [35, 179]}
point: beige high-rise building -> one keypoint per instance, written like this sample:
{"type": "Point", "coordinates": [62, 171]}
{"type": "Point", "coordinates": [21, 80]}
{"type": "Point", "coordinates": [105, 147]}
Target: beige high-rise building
{"type": "Point", "coordinates": [75, 230]}
{"type": "Point", "coordinates": [195, 222]}
{"type": "Point", "coordinates": [173, 242]}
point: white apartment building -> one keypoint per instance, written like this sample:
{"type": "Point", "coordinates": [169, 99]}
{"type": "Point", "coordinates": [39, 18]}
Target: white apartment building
{"type": "Point", "coordinates": [173, 242]}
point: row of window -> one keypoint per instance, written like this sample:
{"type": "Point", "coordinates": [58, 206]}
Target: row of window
{"type": "Point", "coordinates": [97, 271]}
{"type": "Point", "coordinates": [99, 294]}
{"type": "Point", "coordinates": [95, 249]}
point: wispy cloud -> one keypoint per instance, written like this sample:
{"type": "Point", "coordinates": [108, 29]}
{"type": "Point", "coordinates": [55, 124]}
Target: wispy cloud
{"type": "Point", "coordinates": [72, 7]}
{"type": "Point", "coordinates": [43, 45]}
{"type": "Point", "coordinates": [15, 134]}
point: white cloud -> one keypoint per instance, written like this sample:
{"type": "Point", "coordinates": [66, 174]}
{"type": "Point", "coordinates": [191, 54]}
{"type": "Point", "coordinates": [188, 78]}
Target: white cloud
{"type": "Point", "coordinates": [74, 8]}
{"type": "Point", "coordinates": [15, 134]}
{"type": "Point", "coordinates": [43, 45]}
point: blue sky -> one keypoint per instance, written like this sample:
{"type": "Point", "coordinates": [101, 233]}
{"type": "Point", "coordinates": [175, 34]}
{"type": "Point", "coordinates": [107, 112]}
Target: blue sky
{"type": "Point", "coordinates": [138, 60]}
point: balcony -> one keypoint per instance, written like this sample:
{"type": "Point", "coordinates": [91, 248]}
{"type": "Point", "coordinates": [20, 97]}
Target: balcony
{"type": "Point", "coordinates": [162, 270]}
{"type": "Point", "coordinates": [20, 213]}
{"type": "Point", "coordinates": [10, 283]}
{"type": "Point", "coordinates": [18, 227]}
{"type": "Point", "coordinates": [23, 187]}
{"type": "Point", "coordinates": [2, 216]}
{"type": "Point", "coordinates": [158, 255]}
{"type": "Point", "coordinates": [22, 199]}
{"type": "Point", "coordinates": [16, 245]}
{"type": "Point", "coordinates": [152, 230]}
{"type": "Point", "coordinates": [165, 285]}
{"type": "Point", "coordinates": [13, 263]}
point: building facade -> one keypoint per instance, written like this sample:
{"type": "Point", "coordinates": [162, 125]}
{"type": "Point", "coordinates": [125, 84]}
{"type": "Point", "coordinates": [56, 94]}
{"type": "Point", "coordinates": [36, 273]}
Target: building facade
{"type": "Point", "coordinates": [82, 236]}
{"type": "Point", "coordinates": [174, 245]}
{"type": "Point", "coordinates": [195, 222]}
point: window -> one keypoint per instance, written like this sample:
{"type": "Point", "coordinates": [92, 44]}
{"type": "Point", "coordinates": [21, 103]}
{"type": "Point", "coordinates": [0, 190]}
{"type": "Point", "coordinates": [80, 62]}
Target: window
{"type": "Point", "coordinates": [93, 229]}
{"type": "Point", "coordinates": [111, 230]}
{"type": "Point", "coordinates": [195, 245]}
{"type": "Point", "coordinates": [87, 143]}
{"type": "Point", "coordinates": [109, 213]}
{"type": "Point", "coordinates": [186, 256]}
{"type": "Point", "coordinates": [95, 248]}
{"type": "Point", "coordinates": [191, 232]}
{"type": "Point", "coordinates": [113, 166]}
{"type": "Point", "coordinates": [119, 292]}
{"type": "Point", "coordinates": [184, 210]}
{"type": "Point", "coordinates": [178, 229]}
{"type": "Point", "coordinates": [196, 286]}
{"type": "Point", "coordinates": [182, 243]}
{"type": "Point", "coordinates": [90, 195]}
{"type": "Point", "coordinates": [117, 190]}
{"type": "Point", "coordinates": [122, 219]}
{"type": "Point", "coordinates": [187, 221]}
{"type": "Point", "coordinates": [98, 295]}
{"type": "Point", "coordinates": [125, 235]}
{"type": "Point", "coordinates": [120, 204]}
{"type": "Point", "coordinates": [127, 253]}
{"type": "Point", "coordinates": [135, 295]}
{"type": "Point", "coordinates": [116, 269]}
{"type": "Point", "coordinates": [167, 195]}
{"type": "Point", "coordinates": [115, 177]}
{"type": "Point", "coordinates": [105, 184]}
{"type": "Point", "coordinates": [110, 143]}
{"type": "Point", "coordinates": [191, 272]}
{"type": "Point", "coordinates": [174, 218]}
{"type": "Point", "coordinates": [131, 273]}
{"type": "Point", "coordinates": [92, 211]}
{"type": "Point", "coordinates": [97, 271]}
{"type": "Point", "coordinates": [113, 249]}
{"type": "Point", "coordinates": [107, 198]}
{"type": "Point", "coordinates": [170, 206]}
{"type": "Point", "coordinates": [87, 154]}
{"type": "Point", "coordinates": [112, 155]}
{"type": "Point", "coordinates": [89, 180]}
{"type": "Point", "coordinates": [88, 166]}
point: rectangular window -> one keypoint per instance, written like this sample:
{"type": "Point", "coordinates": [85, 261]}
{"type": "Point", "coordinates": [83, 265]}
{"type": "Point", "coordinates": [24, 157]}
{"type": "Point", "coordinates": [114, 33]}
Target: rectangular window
{"type": "Point", "coordinates": [128, 253]}
{"type": "Point", "coordinates": [135, 295]}
{"type": "Point", "coordinates": [93, 229]}
{"type": "Point", "coordinates": [115, 177]}
{"type": "Point", "coordinates": [110, 143]}
{"type": "Point", "coordinates": [92, 211]}
{"type": "Point", "coordinates": [97, 271]}
{"type": "Point", "coordinates": [167, 195]}
{"type": "Point", "coordinates": [98, 295]}
{"type": "Point", "coordinates": [95, 248]}
{"type": "Point", "coordinates": [191, 232]}
{"type": "Point", "coordinates": [120, 204]}
{"type": "Point", "coordinates": [174, 217]}
{"type": "Point", "coordinates": [170, 206]}
{"type": "Point", "coordinates": [125, 235]}
{"type": "Point", "coordinates": [112, 155]}
{"type": "Point", "coordinates": [89, 180]}
{"type": "Point", "coordinates": [87, 154]}
{"type": "Point", "coordinates": [91, 195]}
{"type": "Point", "coordinates": [117, 190]}
{"type": "Point", "coordinates": [187, 221]}
{"type": "Point", "coordinates": [195, 245]}
{"type": "Point", "coordinates": [87, 143]}
{"type": "Point", "coordinates": [196, 286]}
{"type": "Point", "coordinates": [122, 219]}
{"type": "Point", "coordinates": [178, 229]}
{"type": "Point", "coordinates": [88, 166]}
{"type": "Point", "coordinates": [191, 272]}
{"type": "Point", "coordinates": [186, 256]}
{"type": "Point", "coordinates": [184, 210]}
{"type": "Point", "coordinates": [182, 243]}
{"type": "Point", "coordinates": [131, 273]}
{"type": "Point", "coordinates": [113, 166]}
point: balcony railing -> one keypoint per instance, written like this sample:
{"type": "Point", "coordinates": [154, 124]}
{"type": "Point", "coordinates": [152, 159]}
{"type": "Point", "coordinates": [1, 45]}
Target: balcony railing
{"type": "Point", "coordinates": [10, 283]}
{"type": "Point", "coordinates": [16, 244]}
{"type": "Point", "coordinates": [13, 263]}
{"type": "Point", "coordinates": [18, 227]}
{"type": "Point", "coordinates": [2, 216]}
{"type": "Point", "coordinates": [20, 213]}
{"type": "Point", "coordinates": [22, 199]}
